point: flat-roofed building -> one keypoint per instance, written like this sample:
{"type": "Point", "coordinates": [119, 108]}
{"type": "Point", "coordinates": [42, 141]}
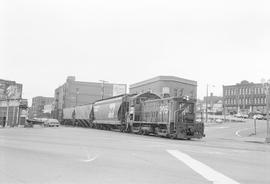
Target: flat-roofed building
{"type": "Point", "coordinates": [38, 107]}
{"type": "Point", "coordinates": [166, 86]}
{"type": "Point", "coordinates": [244, 97]}
{"type": "Point", "coordinates": [73, 93]}
{"type": "Point", "coordinates": [12, 106]}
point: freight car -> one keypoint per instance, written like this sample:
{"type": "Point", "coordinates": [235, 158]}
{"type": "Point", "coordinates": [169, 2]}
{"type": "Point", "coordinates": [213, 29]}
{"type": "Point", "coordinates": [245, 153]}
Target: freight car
{"type": "Point", "coordinates": [112, 113]}
{"type": "Point", "coordinates": [141, 114]}
{"type": "Point", "coordinates": [78, 116]}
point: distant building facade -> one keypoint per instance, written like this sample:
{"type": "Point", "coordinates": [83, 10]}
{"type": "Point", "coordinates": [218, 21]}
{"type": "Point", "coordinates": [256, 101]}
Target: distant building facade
{"type": "Point", "coordinates": [166, 86]}
{"type": "Point", "coordinates": [244, 97]}
{"type": "Point", "coordinates": [214, 104]}
{"type": "Point", "coordinates": [73, 93]}
{"type": "Point", "coordinates": [39, 108]}
{"type": "Point", "coordinates": [13, 109]}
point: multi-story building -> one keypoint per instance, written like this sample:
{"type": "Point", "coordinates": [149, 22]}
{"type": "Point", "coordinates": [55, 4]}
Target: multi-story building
{"type": "Point", "coordinates": [244, 97]}
{"type": "Point", "coordinates": [12, 106]}
{"type": "Point", "coordinates": [214, 104]}
{"type": "Point", "coordinates": [165, 86]}
{"type": "Point", "coordinates": [73, 93]}
{"type": "Point", "coordinates": [38, 107]}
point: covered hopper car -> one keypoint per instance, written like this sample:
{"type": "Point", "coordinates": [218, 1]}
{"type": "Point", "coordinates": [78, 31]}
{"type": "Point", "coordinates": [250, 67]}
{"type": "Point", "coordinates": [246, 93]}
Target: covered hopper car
{"type": "Point", "coordinates": [78, 116]}
{"type": "Point", "coordinates": [145, 113]}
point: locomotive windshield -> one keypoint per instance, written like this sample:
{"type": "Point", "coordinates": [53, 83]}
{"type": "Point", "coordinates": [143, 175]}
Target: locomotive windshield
{"type": "Point", "coordinates": [188, 108]}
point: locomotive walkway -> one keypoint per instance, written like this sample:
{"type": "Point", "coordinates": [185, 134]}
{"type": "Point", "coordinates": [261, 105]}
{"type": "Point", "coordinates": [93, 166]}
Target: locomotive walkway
{"type": "Point", "coordinates": [78, 155]}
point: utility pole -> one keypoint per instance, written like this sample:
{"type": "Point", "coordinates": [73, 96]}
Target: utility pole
{"type": "Point", "coordinates": [77, 93]}
{"type": "Point", "coordinates": [102, 88]}
{"type": "Point", "coordinates": [266, 87]}
{"type": "Point", "coordinates": [7, 113]}
{"type": "Point", "coordinates": [206, 105]}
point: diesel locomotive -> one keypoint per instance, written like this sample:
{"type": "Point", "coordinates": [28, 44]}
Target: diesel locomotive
{"type": "Point", "coordinates": [145, 114]}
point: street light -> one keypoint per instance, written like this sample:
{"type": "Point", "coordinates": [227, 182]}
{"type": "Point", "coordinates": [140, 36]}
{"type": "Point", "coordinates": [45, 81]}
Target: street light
{"type": "Point", "coordinates": [266, 87]}
{"type": "Point", "coordinates": [102, 88]}
{"type": "Point", "coordinates": [77, 93]}
{"type": "Point", "coordinates": [206, 103]}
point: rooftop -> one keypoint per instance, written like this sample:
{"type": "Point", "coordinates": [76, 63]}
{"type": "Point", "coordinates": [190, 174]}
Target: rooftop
{"type": "Point", "coordinates": [164, 78]}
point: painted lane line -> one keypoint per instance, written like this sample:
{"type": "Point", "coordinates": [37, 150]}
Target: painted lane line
{"type": "Point", "coordinates": [202, 169]}
{"type": "Point", "coordinates": [90, 159]}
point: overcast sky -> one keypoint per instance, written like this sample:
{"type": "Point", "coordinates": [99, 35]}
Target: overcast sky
{"type": "Point", "coordinates": [120, 41]}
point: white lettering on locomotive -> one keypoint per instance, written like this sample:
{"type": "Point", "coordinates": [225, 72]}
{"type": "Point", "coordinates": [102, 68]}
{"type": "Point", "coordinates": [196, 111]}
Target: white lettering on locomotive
{"type": "Point", "coordinates": [163, 109]}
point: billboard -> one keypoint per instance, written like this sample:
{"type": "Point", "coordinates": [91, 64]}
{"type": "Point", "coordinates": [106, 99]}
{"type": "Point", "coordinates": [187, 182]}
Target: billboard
{"type": "Point", "coordinates": [10, 90]}
{"type": "Point", "coordinates": [119, 89]}
{"type": "Point", "coordinates": [2, 90]}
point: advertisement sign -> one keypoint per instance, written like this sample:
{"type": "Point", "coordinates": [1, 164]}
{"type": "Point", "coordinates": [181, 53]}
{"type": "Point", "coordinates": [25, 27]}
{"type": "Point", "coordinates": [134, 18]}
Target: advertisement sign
{"type": "Point", "coordinates": [2, 90]}
{"type": "Point", "coordinates": [119, 89]}
{"type": "Point", "coordinates": [14, 91]}
{"type": "Point", "coordinates": [48, 108]}
{"type": "Point", "coordinates": [10, 90]}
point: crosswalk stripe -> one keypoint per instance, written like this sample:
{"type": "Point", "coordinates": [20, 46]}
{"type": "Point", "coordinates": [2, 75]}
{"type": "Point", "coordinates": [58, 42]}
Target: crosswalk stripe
{"type": "Point", "coordinates": [202, 169]}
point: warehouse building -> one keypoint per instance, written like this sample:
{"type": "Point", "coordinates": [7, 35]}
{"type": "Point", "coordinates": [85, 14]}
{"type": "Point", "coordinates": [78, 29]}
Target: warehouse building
{"type": "Point", "coordinates": [166, 86]}
{"type": "Point", "coordinates": [73, 93]}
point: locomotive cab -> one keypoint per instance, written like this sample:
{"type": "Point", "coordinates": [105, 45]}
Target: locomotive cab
{"type": "Point", "coordinates": [184, 120]}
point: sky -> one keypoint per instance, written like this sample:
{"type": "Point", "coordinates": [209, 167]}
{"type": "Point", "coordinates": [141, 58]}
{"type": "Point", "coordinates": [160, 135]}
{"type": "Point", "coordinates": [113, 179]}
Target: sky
{"type": "Point", "coordinates": [213, 42]}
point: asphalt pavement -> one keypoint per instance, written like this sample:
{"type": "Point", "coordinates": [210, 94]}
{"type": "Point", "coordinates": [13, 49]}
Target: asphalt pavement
{"type": "Point", "coordinates": [79, 155]}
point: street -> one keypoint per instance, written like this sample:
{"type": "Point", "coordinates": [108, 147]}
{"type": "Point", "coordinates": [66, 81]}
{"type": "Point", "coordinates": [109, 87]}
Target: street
{"type": "Point", "coordinates": [78, 155]}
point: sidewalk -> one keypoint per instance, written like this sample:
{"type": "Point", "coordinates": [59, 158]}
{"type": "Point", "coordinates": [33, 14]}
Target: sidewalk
{"type": "Point", "coordinates": [251, 137]}
{"type": "Point", "coordinates": [254, 139]}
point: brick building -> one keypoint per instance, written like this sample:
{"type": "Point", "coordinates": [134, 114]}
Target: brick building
{"type": "Point", "coordinates": [165, 86]}
{"type": "Point", "coordinates": [244, 97]}
{"type": "Point", "coordinates": [38, 106]}
{"type": "Point", "coordinates": [73, 93]}
{"type": "Point", "coordinates": [12, 106]}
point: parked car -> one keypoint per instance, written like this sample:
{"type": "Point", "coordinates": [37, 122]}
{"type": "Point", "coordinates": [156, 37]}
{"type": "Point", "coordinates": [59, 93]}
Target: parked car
{"type": "Point", "coordinates": [258, 116]}
{"type": "Point", "coordinates": [51, 123]}
{"type": "Point", "coordinates": [241, 116]}
{"type": "Point", "coordinates": [219, 120]}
